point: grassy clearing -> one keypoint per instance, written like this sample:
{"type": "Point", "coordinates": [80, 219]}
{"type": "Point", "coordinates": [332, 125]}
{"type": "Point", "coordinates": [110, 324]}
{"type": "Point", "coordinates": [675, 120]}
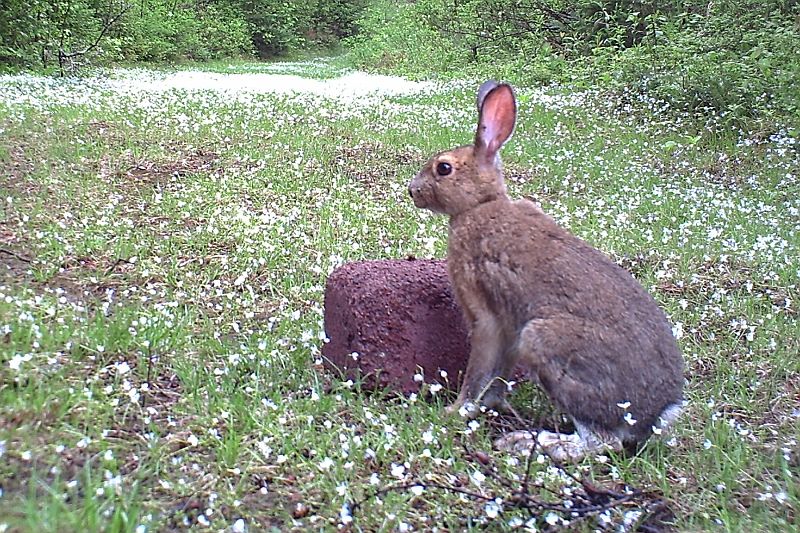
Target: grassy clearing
{"type": "Point", "coordinates": [163, 256]}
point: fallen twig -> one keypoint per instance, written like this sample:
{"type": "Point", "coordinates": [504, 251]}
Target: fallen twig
{"type": "Point", "coordinates": [16, 255]}
{"type": "Point", "coordinates": [584, 499]}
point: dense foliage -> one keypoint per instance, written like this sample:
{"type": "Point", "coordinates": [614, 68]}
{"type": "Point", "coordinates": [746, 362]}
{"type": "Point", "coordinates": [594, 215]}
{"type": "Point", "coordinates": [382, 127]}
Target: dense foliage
{"type": "Point", "coordinates": [734, 60]}
{"type": "Point", "coordinates": [46, 33]}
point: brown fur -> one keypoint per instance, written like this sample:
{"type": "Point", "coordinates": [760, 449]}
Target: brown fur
{"type": "Point", "coordinates": [535, 294]}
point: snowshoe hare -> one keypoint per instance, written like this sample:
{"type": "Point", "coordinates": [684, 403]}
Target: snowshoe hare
{"type": "Point", "coordinates": [534, 294]}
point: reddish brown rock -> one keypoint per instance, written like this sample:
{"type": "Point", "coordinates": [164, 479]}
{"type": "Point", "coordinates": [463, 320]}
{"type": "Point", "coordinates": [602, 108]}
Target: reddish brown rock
{"type": "Point", "coordinates": [397, 315]}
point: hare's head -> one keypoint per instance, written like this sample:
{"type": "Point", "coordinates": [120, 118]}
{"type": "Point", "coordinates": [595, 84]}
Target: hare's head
{"type": "Point", "coordinates": [457, 180]}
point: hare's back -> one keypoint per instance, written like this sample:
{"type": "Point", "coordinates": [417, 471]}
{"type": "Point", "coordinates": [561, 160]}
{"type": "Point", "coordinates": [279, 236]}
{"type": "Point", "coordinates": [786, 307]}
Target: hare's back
{"type": "Point", "coordinates": [534, 267]}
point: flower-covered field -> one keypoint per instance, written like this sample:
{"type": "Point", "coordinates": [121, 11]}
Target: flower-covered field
{"type": "Point", "coordinates": [165, 238]}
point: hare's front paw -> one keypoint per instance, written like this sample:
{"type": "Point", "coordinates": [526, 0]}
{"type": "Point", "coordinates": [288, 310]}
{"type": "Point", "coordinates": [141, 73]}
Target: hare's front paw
{"type": "Point", "coordinates": [561, 447]}
{"type": "Point", "coordinates": [464, 408]}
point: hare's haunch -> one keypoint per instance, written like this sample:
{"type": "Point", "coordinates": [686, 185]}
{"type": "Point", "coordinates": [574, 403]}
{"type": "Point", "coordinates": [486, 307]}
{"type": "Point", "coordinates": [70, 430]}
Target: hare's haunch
{"type": "Point", "coordinates": [534, 294]}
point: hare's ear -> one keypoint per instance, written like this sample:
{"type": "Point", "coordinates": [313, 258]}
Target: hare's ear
{"type": "Point", "coordinates": [497, 113]}
{"type": "Point", "coordinates": [483, 90]}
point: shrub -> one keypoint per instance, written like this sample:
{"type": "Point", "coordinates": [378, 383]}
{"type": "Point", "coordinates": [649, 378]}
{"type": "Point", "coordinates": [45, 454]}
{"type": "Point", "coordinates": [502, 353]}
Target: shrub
{"type": "Point", "coordinates": [35, 32]}
{"type": "Point", "coordinates": [282, 27]}
{"type": "Point", "coordinates": [165, 30]}
{"type": "Point", "coordinates": [391, 36]}
{"type": "Point", "coordinates": [733, 60]}
{"type": "Point", "coordinates": [734, 68]}
{"type": "Point", "coordinates": [158, 33]}
{"type": "Point", "coordinates": [224, 32]}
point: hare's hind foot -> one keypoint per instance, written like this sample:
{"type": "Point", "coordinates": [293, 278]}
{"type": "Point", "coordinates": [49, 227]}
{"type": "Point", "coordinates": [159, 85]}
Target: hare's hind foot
{"type": "Point", "coordinates": [561, 447]}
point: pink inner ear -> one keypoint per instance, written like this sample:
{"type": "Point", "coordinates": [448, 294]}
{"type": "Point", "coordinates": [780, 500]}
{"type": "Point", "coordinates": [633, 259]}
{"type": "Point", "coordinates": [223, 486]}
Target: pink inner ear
{"type": "Point", "coordinates": [497, 119]}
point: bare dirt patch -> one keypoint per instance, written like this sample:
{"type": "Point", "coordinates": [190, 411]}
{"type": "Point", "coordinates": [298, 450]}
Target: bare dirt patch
{"type": "Point", "coordinates": [131, 172]}
{"type": "Point", "coordinates": [521, 174]}
{"type": "Point", "coordinates": [13, 265]}
{"type": "Point", "coordinates": [126, 436]}
{"type": "Point", "coordinates": [374, 164]}
{"type": "Point", "coordinates": [105, 132]}
{"type": "Point", "coordinates": [16, 169]}
{"type": "Point", "coordinates": [82, 279]}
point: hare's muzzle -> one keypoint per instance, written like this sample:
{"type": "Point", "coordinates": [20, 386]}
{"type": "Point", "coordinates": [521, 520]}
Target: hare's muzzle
{"type": "Point", "coordinates": [415, 190]}
{"type": "Point", "coordinates": [417, 196]}
{"type": "Point", "coordinates": [411, 192]}
{"type": "Point", "coordinates": [415, 193]}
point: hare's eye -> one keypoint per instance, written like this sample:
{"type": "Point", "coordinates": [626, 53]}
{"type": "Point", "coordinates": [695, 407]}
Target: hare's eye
{"type": "Point", "coordinates": [444, 169]}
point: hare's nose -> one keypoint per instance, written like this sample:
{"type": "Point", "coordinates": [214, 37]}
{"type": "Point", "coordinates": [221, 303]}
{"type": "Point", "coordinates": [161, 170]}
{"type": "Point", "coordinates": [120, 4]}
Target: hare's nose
{"type": "Point", "coordinates": [411, 192]}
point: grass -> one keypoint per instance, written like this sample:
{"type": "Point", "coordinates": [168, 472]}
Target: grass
{"type": "Point", "coordinates": [163, 257]}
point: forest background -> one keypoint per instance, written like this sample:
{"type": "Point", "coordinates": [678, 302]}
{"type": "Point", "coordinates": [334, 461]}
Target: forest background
{"type": "Point", "coordinates": [734, 60]}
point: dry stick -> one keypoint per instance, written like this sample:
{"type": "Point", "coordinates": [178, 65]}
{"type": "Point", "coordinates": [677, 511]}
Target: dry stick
{"type": "Point", "coordinates": [424, 485]}
{"type": "Point", "coordinates": [616, 498]}
{"type": "Point", "coordinates": [520, 498]}
{"type": "Point", "coordinates": [116, 263]}
{"type": "Point", "coordinates": [523, 494]}
{"type": "Point", "coordinates": [16, 255]}
{"type": "Point", "coordinates": [587, 486]}
{"type": "Point", "coordinates": [529, 503]}
{"type": "Point", "coordinates": [528, 467]}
